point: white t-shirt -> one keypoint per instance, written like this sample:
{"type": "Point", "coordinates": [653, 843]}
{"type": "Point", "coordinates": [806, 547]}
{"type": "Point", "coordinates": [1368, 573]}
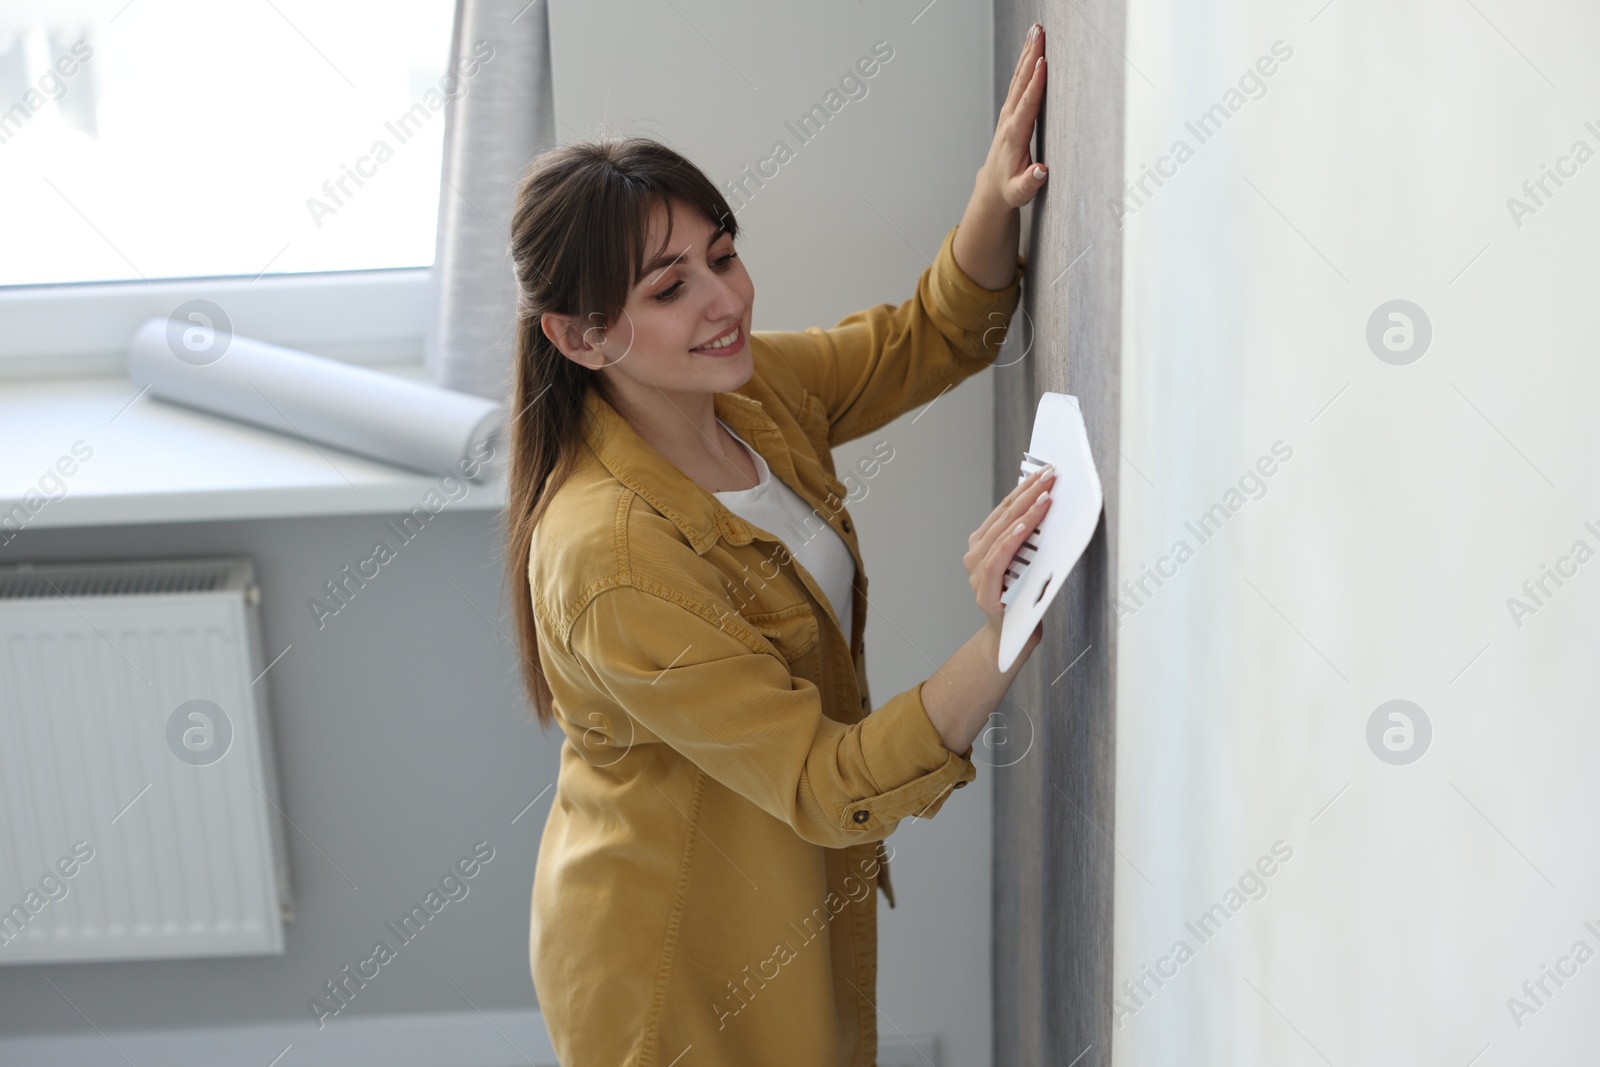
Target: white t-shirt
{"type": "Point", "coordinates": [777, 509]}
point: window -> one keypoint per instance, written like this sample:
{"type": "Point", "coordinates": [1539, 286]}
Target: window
{"type": "Point", "coordinates": [144, 140]}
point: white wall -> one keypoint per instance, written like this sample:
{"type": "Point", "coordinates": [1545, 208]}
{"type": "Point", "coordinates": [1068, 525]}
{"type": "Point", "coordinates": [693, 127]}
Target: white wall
{"type": "Point", "coordinates": [849, 222]}
{"type": "Point", "coordinates": [1379, 562]}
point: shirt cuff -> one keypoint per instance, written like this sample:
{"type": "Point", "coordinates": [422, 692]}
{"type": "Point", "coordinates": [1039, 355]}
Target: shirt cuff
{"type": "Point", "coordinates": [906, 756]}
{"type": "Point", "coordinates": [982, 313]}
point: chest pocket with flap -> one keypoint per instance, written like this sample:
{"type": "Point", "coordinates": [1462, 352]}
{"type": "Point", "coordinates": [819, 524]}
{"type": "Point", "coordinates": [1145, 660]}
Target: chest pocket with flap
{"type": "Point", "coordinates": [793, 632]}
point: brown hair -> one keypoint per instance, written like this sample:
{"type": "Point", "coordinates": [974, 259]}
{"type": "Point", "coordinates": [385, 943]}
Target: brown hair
{"type": "Point", "coordinates": [578, 230]}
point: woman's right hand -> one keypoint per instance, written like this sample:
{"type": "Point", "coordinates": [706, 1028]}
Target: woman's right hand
{"type": "Point", "coordinates": [992, 545]}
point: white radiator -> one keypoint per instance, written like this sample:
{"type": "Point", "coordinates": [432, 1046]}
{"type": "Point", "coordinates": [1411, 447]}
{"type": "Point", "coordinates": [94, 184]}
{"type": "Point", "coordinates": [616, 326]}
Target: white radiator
{"type": "Point", "coordinates": [139, 808]}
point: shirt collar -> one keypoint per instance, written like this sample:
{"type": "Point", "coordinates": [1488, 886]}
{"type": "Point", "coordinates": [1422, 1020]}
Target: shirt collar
{"type": "Point", "coordinates": [635, 462]}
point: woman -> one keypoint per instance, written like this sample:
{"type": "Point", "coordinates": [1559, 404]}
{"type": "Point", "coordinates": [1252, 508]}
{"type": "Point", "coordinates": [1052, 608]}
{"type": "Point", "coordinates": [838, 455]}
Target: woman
{"type": "Point", "coordinates": [689, 599]}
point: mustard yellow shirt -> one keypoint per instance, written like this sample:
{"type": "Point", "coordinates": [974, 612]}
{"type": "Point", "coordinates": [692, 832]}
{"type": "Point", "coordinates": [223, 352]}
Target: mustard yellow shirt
{"type": "Point", "coordinates": [704, 893]}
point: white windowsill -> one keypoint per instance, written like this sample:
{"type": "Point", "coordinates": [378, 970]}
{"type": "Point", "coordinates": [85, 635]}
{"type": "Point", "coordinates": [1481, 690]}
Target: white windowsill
{"type": "Point", "coordinates": [158, 462]}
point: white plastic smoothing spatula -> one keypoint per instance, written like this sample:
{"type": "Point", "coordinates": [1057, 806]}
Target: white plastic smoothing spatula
{"type": "Point", "coordinates": [1040, 567]}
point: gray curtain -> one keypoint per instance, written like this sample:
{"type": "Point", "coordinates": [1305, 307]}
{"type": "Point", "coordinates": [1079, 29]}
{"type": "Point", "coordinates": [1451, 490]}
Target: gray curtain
{"type": "Point", "coordinates": [500, 117]}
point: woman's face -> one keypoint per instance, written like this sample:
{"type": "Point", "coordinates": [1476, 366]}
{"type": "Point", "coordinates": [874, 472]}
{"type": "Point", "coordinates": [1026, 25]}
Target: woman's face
{"type": "Point", "coordinates": [695, 292]}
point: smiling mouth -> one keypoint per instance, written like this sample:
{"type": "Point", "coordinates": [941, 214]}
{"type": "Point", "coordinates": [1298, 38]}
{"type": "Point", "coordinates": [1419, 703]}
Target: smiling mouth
{"type": "Point", "coordinates": [726, 340]}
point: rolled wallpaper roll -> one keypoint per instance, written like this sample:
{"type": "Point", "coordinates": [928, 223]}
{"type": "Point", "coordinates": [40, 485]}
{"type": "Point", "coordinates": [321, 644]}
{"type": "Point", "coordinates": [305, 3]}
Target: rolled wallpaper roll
{"type": "Point", "coordinates": [410, 424]}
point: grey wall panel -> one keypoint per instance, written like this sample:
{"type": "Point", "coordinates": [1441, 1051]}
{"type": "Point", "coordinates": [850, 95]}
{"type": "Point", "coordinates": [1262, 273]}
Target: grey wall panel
{"type": "Point", "coordinates": [401, 740]}
{"type": "Point", "coordinates": [1053, 853]}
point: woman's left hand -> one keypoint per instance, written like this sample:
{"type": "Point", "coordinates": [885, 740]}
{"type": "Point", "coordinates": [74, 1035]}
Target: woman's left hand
{"type": "Point", "coordinates": [994, 544]}
{"type": "Point", "coordinates": [1009, 172]}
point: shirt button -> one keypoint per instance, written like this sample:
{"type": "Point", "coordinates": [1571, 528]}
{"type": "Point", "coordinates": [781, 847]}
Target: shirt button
{"type": "Point", "coordinates": [846, 524]}
{"type": "Point", "coordinates": [862, 816]}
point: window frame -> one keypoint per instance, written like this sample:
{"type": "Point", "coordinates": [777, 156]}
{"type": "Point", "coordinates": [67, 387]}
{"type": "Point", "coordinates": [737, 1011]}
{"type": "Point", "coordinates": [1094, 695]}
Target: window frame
{"type": "Point", "coordinates": [79, 329]}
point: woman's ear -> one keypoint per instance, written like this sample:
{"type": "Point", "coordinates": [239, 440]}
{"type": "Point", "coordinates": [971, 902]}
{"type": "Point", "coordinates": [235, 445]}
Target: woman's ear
{"type": "Point", "coordinates": [568, 335]}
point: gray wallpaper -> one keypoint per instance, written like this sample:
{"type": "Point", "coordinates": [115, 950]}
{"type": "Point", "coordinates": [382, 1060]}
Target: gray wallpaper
{"type": "Point", "coordinates": [1053, 817]}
